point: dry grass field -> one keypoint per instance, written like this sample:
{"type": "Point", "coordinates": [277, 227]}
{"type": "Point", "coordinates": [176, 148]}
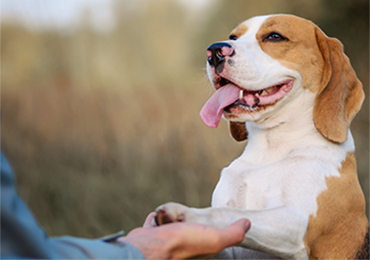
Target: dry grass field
{"type": "Point", "coordinates": [110, 158]}
{"type": "Point", "coordinates": [102, 127]}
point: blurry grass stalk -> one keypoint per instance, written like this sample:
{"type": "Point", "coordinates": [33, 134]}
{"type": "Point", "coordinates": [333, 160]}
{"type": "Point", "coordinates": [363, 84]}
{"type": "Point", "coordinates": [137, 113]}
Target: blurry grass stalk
{"type": "Point", "coordinates": [101, 128]}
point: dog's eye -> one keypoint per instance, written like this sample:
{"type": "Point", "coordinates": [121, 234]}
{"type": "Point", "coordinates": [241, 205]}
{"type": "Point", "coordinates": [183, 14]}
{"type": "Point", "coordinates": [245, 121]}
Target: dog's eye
{"type": "Point", "coordinates": [274, 37]}
{"type": "Point", "coordinates": [233, 37]}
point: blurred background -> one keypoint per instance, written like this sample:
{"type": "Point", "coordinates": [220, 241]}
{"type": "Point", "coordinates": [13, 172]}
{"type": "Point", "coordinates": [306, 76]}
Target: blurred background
{"type": "Point", "coordinates": [100, 102]}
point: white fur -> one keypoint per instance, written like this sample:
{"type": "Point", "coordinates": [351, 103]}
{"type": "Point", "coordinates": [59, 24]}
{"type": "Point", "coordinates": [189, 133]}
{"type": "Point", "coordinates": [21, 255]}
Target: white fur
{"type": "Point", "coordinates": [282, 171]}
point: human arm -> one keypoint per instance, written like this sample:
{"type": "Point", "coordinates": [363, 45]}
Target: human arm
{"type": "Point", "coordinates": [22, 237]}
{"type": "Point", "coordinates": [184, 240]}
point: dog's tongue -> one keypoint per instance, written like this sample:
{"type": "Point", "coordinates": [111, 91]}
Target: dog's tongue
{"type": "Point", "coordinates": [212, 111]}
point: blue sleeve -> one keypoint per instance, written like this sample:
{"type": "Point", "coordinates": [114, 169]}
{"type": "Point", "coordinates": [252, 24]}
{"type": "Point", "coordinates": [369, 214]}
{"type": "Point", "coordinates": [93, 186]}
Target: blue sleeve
{"type": "Point", "coordinates": [22, 237]}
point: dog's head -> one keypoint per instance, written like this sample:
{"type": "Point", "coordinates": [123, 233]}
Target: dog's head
{"type": "Point", "coordinates": [273, 64]}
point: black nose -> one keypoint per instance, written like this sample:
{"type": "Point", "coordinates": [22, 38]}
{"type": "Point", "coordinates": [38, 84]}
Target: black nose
{"type": "Point", "coordinates": [217, 52]}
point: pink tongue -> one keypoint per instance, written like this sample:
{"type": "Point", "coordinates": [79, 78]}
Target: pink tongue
{"type": "Point", "coordinates": [212, 111]}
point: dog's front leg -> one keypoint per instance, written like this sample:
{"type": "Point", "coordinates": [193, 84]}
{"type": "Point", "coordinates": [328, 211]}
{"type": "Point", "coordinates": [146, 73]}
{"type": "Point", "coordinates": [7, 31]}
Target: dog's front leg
{"type": "Point", "coordinates": [277, 231]}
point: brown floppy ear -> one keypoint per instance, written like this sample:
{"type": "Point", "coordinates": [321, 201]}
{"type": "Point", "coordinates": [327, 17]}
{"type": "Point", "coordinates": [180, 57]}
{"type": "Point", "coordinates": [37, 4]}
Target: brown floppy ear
{"type": "Point", "coordinates": [340, 95]}
{"type": "Point", "coordinates": [238, 131]}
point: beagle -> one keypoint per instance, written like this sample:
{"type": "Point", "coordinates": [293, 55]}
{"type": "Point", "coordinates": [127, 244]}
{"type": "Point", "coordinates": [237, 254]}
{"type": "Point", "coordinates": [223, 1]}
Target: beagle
{"type": "Point", "coordinates": [291, 91]}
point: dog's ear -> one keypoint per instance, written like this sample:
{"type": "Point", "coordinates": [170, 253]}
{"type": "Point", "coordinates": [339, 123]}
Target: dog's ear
{"type": "Point", "coordinates": [340, 95]}
{"type": "Point", "coordinates": [238, 131]}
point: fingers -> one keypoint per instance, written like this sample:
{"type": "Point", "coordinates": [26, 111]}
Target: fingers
{"type": "Point", "coordinates": [148, 220]}
{"type": "Point", "coordinates": [196, 239]}
{"type": "Point", "coordinates": [234, 234]}
{"type": "Point", "coordinates": [185, 240]}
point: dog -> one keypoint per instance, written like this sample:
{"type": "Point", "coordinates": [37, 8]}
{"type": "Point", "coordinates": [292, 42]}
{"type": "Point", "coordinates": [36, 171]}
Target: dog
{"type": "Point", "coordinates": [291, 92]}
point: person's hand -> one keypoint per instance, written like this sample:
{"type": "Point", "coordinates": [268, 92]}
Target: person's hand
{"type": "Point", "coordinates": [184, 240]}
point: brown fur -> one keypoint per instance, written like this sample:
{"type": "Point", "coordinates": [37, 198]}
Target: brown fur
{"type": "Point", "coordinates": [339, 228]}
{"type": "Point", "coordinates": [340, 96]}
{"type": "Point", "coordinates": [238, 131]}
{"type": "Point", "coordinates": [364, 252]}
{"type": "Point", "coordinates": [240, 30]}
{"type": "Point", "coordinates": [324, 68]}
{"type": "Point", "coordinates": [301, 53]}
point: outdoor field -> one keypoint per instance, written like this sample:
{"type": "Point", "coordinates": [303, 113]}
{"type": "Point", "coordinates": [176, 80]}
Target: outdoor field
{"type": "Point", "coordinates": [100, 107]}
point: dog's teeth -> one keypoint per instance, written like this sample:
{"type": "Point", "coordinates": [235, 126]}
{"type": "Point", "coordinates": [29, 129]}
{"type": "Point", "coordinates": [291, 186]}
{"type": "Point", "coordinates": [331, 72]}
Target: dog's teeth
{"type": "Point", "coordinates": [264, 93]}
{"type": "Point", "coordinates": [272, 89]}
{"type": "Point", "coordinates": [241, 94]}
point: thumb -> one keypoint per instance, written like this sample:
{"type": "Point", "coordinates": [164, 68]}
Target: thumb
{"type": "Point", "coordinates": [149, 220]}
{"type": "Point", "coordinates": [234, 234]}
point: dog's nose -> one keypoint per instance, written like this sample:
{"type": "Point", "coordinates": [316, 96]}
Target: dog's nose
{"type": "Point", "coordinates": [217, 52]}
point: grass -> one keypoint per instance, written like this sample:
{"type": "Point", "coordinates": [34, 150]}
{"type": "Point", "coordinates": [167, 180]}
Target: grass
{"type": "Point", "coordinates": [103, 128]}
{"type": "Point", "coordinates": [91, 162]}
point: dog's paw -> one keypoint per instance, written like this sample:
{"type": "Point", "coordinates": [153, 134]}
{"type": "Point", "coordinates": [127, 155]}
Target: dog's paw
{"type": "Point", "coordinates": [172, 212]}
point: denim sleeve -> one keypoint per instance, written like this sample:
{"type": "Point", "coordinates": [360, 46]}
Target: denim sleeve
{"type": "Point", "coordinates": [22, 237]}
{"type": "Point", "coordinates": [80, 248]}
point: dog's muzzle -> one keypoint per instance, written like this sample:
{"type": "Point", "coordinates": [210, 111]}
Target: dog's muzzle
{"type": "Point", "coordinates": [216, 54]}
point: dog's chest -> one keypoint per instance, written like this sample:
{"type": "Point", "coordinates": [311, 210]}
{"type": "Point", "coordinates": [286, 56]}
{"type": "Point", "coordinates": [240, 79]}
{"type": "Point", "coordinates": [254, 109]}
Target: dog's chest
{"type": "Point", "coordinates": [295, 178]}
{"type": "Point", "coordinates": [248, 187]}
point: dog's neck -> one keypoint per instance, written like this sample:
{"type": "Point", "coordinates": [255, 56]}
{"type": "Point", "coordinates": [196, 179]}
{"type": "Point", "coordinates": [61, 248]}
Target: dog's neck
{"type": "Point", "coordinates": [274, 138]}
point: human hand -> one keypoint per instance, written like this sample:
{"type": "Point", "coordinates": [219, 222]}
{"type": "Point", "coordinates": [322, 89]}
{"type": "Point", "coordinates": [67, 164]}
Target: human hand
{"type": "Point", "coordinates": [184, 240]}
